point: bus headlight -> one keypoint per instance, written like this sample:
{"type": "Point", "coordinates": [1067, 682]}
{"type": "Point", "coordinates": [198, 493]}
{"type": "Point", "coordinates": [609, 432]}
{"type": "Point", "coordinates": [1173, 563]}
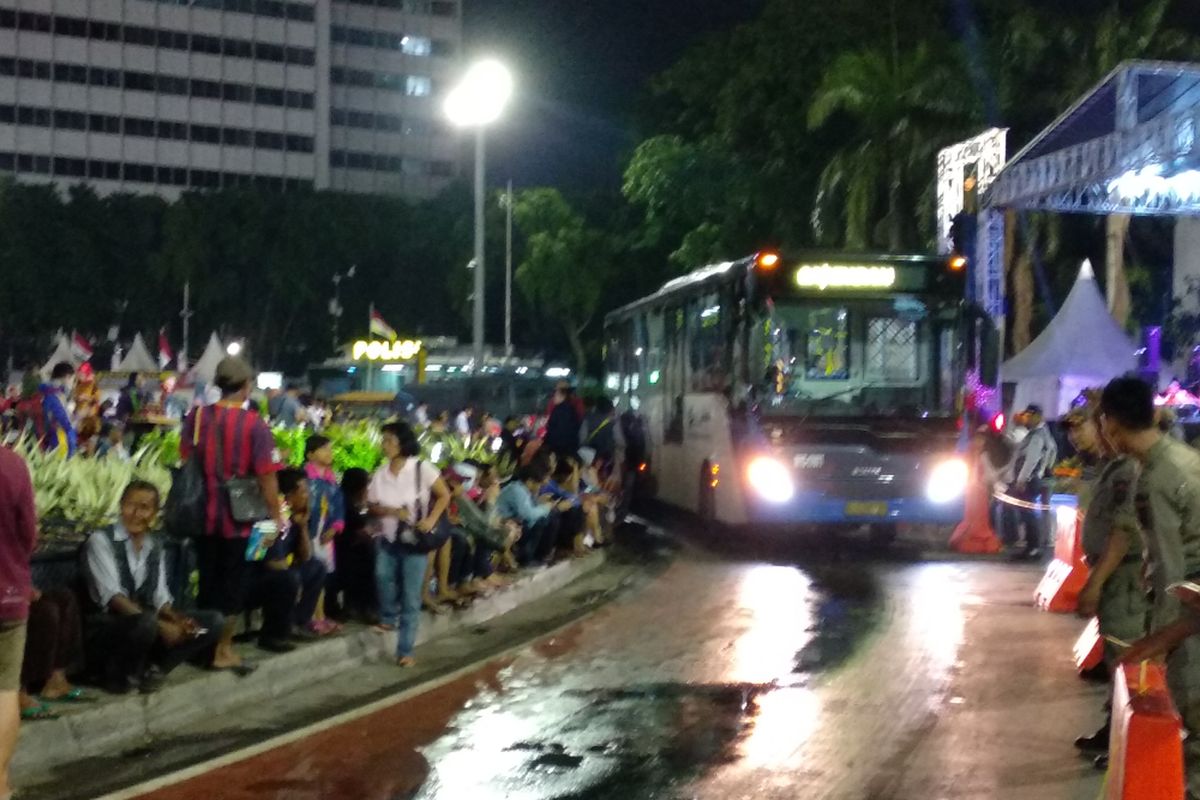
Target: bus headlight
{"type": "Point", "coordinates": [948, 481]}
{"type": "Point", "coordinates": [770, 479]}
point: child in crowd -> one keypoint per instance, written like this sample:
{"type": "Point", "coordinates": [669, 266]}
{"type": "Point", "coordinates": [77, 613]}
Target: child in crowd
{"type": "Point", "coordinates": [292, 552]}
{"type": "Point", "coordinates": [327, 517]}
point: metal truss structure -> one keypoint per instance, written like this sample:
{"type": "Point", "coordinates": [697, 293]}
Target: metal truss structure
{"type": "Point", "coordinates": [1130, 146]}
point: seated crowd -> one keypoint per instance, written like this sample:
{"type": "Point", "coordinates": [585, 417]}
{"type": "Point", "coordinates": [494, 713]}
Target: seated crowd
{"type": "Point", "coordinates": [375, 549]}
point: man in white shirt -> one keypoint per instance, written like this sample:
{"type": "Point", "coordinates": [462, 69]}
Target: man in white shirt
{"type": "Point", "coordinates": [1036, 456]}
{"type": "Point", "coordinates": [135, 637]}
{"type": "Point", "coordinates": [462, 422]}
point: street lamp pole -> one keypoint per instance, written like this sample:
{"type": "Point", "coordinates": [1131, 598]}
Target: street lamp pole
{"type": "Point", "coordinates": [508, 273]}
{"type": "Point", "coordinates": [480, 284]}
{"type": "Point", "coordinates": [477, 102]}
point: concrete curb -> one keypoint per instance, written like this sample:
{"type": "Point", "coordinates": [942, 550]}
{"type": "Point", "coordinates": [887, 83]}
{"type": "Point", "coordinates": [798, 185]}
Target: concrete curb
{"type": "Point", "coordinates": [120, 723]}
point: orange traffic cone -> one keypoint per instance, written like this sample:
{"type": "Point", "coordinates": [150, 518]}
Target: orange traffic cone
{"type": "Point", "coordinates": [974, 534]}
{"type": "Point", "coordinates": [1089, 647]}
{"type": "Point", "coordinates": [1068, 572]}
{"type": "Point", "coordinates": [1145, 753]}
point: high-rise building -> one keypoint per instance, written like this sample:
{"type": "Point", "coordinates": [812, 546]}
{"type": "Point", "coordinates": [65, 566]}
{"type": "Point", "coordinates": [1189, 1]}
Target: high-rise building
{"type": "Point", "coordinates": [167, 95]}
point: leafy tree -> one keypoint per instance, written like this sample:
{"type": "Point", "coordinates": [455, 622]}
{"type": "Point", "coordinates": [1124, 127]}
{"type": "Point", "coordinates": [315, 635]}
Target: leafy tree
{"type": "Point", "coordinates": [565, 264]}
{"type": "Point", "coordinates": [896, 110]}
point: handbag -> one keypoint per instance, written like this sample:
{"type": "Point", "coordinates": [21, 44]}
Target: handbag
{"type": "Point", "coordinates": [183, 511]}
{"type": "Point", "coordinates": [246, 501]}
{"type": "Point", "coordinates": [415, 541]}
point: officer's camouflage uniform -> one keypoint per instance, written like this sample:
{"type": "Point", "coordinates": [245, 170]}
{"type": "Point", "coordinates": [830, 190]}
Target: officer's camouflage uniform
{"type": "Point", "coordinates": [1110, 512]}
{"type": "Point", "coordinates": [1168, 507]}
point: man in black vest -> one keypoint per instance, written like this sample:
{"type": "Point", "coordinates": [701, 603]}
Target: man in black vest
{"type": "Point", "coordinates": [135, 636]}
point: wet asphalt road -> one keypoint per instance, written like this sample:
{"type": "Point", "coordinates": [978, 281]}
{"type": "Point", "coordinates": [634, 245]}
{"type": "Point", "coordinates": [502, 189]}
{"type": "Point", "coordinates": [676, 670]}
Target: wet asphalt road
{"type": "Point", "coordinates": [775, 673]}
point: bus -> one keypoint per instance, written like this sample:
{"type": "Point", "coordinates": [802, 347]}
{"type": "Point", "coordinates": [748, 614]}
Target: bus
{"type": "Point", "coordinates": [814, 388]}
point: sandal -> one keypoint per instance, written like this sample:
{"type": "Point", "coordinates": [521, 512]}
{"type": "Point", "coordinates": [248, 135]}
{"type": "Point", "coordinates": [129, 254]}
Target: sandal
{"type": "Point", "coordinates": [76, 695]}
{"type": "Point", "coordinates": [383, 627]}
{"type": "Point", "coordinates": [436, 608]}
{"type": "Point", "coordinates": [38, 712]}
{"type": "Point", "coordinates": [241, 670]}
{"type": "Point", "coordinates": [405, 662]}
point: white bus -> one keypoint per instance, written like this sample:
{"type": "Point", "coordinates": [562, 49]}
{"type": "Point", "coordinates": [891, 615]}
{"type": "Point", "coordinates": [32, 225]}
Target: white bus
{"type": "Point", "coordinates": [822, 388]}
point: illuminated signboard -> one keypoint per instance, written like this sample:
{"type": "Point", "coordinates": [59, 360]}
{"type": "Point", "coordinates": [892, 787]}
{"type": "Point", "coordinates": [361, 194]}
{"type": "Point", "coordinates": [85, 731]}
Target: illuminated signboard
{"type": "Point", "coordinates": [402, 350]}
{"type": "Point", "coordinates": [845, 276]}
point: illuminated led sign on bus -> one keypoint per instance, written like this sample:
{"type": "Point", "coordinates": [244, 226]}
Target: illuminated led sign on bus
{"type": "Point", "coordinates": [845, 276]}
{"type": "Point", "coordinates": [402, 350]}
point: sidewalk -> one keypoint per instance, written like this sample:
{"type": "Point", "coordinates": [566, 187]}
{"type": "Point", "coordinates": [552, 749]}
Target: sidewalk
{"type": "Point", "coordinates": [121, 725]}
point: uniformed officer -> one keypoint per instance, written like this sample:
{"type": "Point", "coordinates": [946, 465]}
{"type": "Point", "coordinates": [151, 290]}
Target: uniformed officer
{"type": "Point", "coordinates": [1111, 542]}
{"type": "Point", "coordinates": [1167, 502]}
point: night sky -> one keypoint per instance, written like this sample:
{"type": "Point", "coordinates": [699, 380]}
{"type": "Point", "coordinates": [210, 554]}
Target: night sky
{"type": "Point", "coordinates": [580, 67]}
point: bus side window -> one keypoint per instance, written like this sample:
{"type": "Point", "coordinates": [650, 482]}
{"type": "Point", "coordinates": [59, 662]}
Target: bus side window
{"type": "Point", "coordinates": [707, 345]}
{"type": "Point", "coordinates": [674, 371]}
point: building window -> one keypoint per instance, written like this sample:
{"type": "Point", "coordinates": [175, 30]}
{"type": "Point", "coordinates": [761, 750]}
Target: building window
{"type": "Point", "coordinates": [418, 86]}
{"type": "Point", "coordinates": [416, 45]}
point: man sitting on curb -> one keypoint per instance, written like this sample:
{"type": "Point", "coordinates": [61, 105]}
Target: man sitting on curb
{"type": "Point", "coordinates": [136, 637]}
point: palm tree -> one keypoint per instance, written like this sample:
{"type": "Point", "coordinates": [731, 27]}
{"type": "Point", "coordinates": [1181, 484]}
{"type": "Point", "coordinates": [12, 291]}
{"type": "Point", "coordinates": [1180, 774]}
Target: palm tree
{"type": "Point", "coordinates": [898, 110]}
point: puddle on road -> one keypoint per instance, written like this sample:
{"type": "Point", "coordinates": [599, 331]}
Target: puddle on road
{"type": "Point", "coordinates": [846, 605]}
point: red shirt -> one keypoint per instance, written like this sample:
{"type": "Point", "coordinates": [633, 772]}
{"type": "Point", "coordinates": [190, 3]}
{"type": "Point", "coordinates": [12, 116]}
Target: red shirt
{"type": "Point", "coordinates": [248, 451]}
{"type": "Point", "coordinates": [18, 534]}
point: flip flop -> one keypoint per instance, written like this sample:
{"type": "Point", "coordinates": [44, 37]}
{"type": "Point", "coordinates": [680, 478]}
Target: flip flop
{"type": "Point", "coordinates": [38, 712]}
{"type": "Point", "coordinates": [76, 695]}
{"type": "Point", "coordinates": [241, 670]}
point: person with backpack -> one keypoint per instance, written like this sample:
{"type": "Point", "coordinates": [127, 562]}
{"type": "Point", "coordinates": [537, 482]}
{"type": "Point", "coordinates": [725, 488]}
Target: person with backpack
{"type": "Point", "coordinates": [407, 497]}
{"type": "Point", "coordinates": [238, 461]}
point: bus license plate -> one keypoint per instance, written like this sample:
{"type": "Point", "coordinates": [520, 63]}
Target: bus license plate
{"type": "Point", "coordinates": [861, 509]}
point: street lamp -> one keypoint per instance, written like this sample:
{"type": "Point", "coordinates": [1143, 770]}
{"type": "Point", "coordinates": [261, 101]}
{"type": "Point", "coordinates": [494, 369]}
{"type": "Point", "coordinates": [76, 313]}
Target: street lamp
{"type": "Point", "coordinates": [234, 348]}
{"type": "Point", "coordinates": [476, 102]}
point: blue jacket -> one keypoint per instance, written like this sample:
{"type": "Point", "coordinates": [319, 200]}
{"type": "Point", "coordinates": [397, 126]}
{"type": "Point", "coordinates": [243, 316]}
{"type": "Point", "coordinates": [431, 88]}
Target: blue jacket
{"type": "Point", "coordinates": [58, 427]}
{"type": "Point", "coordinates": [323, 489]}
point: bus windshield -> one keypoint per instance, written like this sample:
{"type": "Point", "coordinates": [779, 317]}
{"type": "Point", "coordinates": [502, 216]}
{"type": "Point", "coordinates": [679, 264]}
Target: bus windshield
{"type": "Point", "coordinates": [856, 357]}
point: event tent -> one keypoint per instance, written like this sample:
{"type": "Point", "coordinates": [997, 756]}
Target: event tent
{"type": "Point", "coordinates": [1082, 346]}
{"type": "Point", "coordinates": [62, 352]}
{"type": "Point", "coordinates": [205, 370]}
{"type": "Point", "coordinates": [138, 359]}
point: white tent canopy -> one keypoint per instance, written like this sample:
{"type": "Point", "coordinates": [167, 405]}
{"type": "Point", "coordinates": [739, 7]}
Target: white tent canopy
{"type": "Point", "coordinates": [1082, 346]}
{"type": "Point", "coordinates": [138, 359]}
{"type": "Point", "coordinates": [205, 370]}
{"type": "Point", "coordinates": [62, 352]}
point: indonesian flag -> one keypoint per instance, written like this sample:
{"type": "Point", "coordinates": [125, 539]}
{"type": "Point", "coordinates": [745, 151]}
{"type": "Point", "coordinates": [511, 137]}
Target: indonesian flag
{"type": "Point", "coordinates": [164, 349]}
{"type": "Point", "coordinates": [80, 347]}
{"type": "Point", "coordinates": [381, 328]}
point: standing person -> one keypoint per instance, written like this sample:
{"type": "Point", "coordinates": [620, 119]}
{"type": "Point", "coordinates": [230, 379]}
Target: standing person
{"type": "Point", "coordinates": [247, 451]}
{"type": "Point", "coordinates": [1035, 456]}
{"type": "Point", "coordinates": [327, 514]}
{"type": "Point", "coordinates": [1167, 501]}
{"type": "Point", "coordinates": [136, 637]}
{"type": "Point", "coordinates": [420, 415]}
{"type": "Point", "coordinates": [1111, 540]}
{"type": "Point", "coordinates": [563, 422]}
{"type": "Point", "coordinates": [18, 535]}
{"type": "Point", "coordinates": [129, 401]}
{"type": "Point", "coordinates": [57, 431]}
{"type": "Point", "coordinates": [408, 497]}
{"type": "Point", "coordinates": [289, 411]}
{"type": "Point", "coordinates": [463, 421]}
{"type": "Point", "coordinates": [352, 585]}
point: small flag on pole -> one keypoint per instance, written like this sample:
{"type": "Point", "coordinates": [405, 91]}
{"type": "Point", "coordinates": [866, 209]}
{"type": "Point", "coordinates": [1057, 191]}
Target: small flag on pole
{"type": "Point", "coordinates": [379, 327]}
{"type": "Point", "coordinates": [164, 349]}
{"type": "Point", "coordinates": [80, 347]}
